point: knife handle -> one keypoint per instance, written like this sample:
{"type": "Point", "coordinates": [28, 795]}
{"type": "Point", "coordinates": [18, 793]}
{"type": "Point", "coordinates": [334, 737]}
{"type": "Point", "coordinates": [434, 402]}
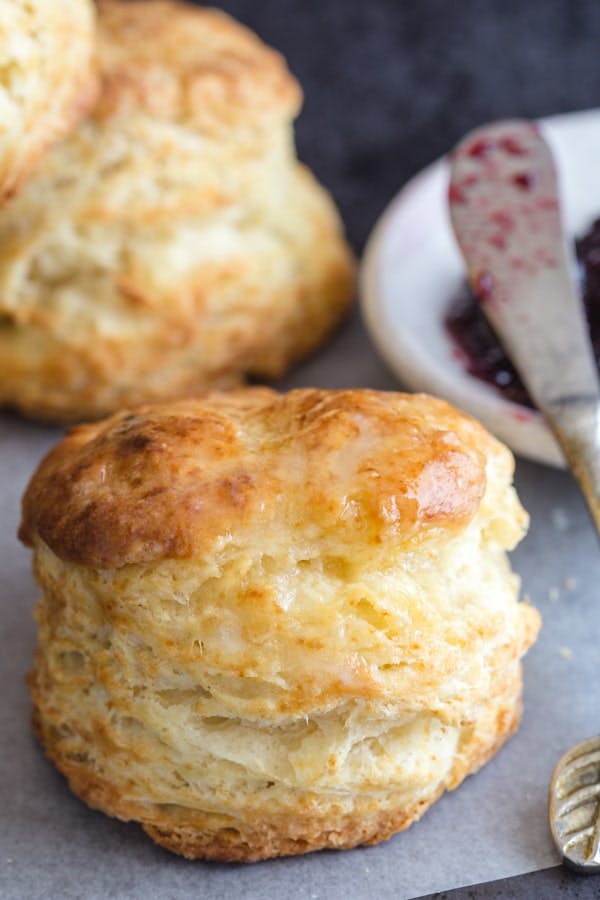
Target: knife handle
{"type": "Point", "coordinates": [576, 425]}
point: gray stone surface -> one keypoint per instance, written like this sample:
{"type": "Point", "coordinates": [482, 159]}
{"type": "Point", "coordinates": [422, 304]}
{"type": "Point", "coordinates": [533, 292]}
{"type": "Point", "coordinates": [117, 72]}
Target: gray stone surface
{"type": "Point", "coordinates": [51, 845]}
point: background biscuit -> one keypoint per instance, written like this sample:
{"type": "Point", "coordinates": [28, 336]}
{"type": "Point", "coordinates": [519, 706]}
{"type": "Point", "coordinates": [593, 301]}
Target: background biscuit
{"type": "Point", "coordinates": [173, 242]}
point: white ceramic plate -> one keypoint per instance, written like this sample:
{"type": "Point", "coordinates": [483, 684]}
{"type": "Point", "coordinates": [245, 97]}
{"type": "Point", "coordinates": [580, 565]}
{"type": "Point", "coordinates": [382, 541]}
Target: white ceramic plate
{"type": "Point", "coordinates": [412, 268]}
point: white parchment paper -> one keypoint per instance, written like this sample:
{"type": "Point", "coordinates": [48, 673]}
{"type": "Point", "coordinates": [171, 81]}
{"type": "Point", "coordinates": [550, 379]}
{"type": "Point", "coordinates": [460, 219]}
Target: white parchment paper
{"type": "Point", "coordinates": [495, 825]}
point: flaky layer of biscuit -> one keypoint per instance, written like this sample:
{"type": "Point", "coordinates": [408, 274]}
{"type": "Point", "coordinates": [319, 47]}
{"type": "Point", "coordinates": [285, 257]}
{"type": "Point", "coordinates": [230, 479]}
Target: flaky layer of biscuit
{"type": "Point", "coordinates": [48, 79]}
{"type": "Point", "coordinates": [272, 623]}
{"type": "Point", "coordinates": [268, 824]}
{"type": "Point", "coordinates": [172, 242]}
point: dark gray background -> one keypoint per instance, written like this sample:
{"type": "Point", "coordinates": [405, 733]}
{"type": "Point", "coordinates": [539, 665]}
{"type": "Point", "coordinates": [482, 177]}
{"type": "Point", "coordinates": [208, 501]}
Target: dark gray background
{"type": "Point", "coordinates": [392, 84]}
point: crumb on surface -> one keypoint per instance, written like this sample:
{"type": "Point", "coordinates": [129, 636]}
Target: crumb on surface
{"type": "Point", "coordinates": [570, 583]}
{"type": "Point", "coordinates": [560, 519]}
{"type": "Point", "coordinates": [553, 594]}
{"type": "Point", "coordinates": [566, 652]}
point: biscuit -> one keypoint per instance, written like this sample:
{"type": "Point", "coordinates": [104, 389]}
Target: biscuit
{"type": "Point", "coordinates": [275, 623]}
{"type": "Point", "coordinates": [48, 79]}
{"type": "Point", "coordinates": [173, 242]}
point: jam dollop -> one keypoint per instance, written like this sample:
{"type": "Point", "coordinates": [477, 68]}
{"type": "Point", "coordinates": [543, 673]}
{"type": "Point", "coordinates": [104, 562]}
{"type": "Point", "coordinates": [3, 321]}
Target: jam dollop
{"type": "Point", "coordinates": [482, 351]}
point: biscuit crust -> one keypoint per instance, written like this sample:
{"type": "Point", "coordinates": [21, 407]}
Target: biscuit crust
{"type": "Point", "coordinates": [172, 243]}
{"type": "Point", "coordinates": [391, 467]}
{"type": "Point", "coordinates": [275, 623]}
{"type": "Point", "coordinates": [49, 80]}
{"type": "Point", "coordinates": [210, 72]}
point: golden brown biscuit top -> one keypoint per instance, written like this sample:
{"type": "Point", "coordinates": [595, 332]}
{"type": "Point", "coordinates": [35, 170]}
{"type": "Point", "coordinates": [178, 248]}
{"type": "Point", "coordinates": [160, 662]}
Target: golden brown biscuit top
{"type": "Point", "coordinates": [188, 65]}
{"type": "Point", "coordinates": [179, 480]}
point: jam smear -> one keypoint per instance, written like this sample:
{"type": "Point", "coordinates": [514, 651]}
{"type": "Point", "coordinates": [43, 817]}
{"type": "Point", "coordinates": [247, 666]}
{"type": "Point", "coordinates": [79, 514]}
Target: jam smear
{"type": "Point", "coordinates": [524, 180]}
{"type": "Point", "coordinates": [456, 194]}
{"type": "Point", "coordinates": [480, 348]}
{"type": "Point", "coordinates": [480, 147]}
{"type": "Point", "coordinates": [513, 146]}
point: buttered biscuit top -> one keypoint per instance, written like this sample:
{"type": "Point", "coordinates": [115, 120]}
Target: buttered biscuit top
{"type": "Point", "coordinates": [307, 468]}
